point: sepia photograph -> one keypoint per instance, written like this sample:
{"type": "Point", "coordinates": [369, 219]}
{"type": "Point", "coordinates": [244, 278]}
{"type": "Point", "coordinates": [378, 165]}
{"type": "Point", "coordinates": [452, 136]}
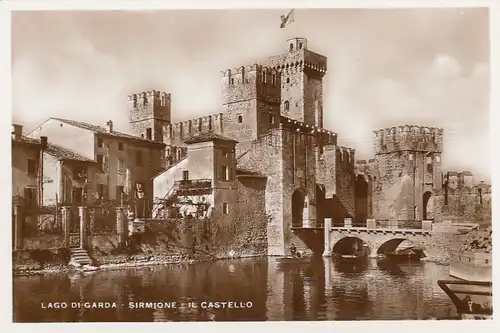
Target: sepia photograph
{"type": "Point", "coordinates": [245, 164]}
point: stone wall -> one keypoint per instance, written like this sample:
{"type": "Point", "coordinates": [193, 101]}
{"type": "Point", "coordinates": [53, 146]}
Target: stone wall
{"type": "Point", "coordinates": [43, 242]}
{"type": "Point", "coordinates": [36, 259]}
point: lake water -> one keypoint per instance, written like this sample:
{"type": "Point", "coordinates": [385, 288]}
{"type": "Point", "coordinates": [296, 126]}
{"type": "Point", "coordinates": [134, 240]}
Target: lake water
{"type": "Point", "coordinates": [254, 289]}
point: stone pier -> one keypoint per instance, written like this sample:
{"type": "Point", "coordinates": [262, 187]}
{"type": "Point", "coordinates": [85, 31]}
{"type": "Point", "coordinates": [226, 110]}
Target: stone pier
{"type": "Point", "coordinates": [83, 212]}
{"type": "Point", "coordinates": [328, 224]}
{"type": "Point", "coordinates": [65, 221]}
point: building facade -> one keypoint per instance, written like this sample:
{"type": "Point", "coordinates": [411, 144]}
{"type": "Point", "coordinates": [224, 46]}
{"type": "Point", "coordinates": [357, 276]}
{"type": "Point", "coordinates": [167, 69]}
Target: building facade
{"type": "Point", "coordinates": [122, 164]}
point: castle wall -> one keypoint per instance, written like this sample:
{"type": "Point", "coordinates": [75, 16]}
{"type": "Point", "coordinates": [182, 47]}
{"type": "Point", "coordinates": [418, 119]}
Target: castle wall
{"type": "Point", "coordinates": [266, 157]}
{"type": "Point", "coordinates": [345, 179]}
{"type": "Point", "coordinates": [175, 134]}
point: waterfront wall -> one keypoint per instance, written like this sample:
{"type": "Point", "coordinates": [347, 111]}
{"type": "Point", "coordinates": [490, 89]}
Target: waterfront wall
{"type": "Point", "coordinates": [471, 266]}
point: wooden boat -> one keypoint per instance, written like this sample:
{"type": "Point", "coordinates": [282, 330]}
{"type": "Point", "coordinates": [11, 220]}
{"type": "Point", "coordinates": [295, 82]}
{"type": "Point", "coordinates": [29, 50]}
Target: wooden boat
{"type": "Point", "coordinates": [292, 260]}
{"type": "Point", "coordinates": [472, 299]}
{"type": "Point", "coordinates": [356, 255]}
{"type": "Point", "coordinates": [407, 254]}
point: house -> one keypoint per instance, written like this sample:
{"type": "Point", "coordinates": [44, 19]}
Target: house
{"type": "Point", "coordinates": [74, 144]}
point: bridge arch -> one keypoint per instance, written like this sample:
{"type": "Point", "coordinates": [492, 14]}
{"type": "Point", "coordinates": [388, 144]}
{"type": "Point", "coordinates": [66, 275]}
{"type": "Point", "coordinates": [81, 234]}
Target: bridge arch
{"type": "Point", "coordinates": [391, 245]}
{"type": "Point", "coordinates": [348, 245]}
{"type": "Point", "coordinates": [298, 206]}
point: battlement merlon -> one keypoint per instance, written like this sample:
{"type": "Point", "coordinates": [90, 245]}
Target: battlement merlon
{"type": "Point", "coordinates": [150, 93]}
{"type": "Point", "coordinates": [301, 60]}
{"type": "Point", "coordinates": [324, 137]}
{"type": "Point", "coordinates": [174, 134]}
{"type": "Point", "coordinates": [408, 138]}
{"type": "Point", "coordinates": [251, 82]}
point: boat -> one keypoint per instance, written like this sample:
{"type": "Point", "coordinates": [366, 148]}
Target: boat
{"type": "Point", "coordinates": [292, 260]}
{"type": "Point", "coordinates": [471, 267]}
{"type": "Point", "coordinates": [363, 253]}
{"type": "Point", "coordinates": [472, 299]}
{"type": "Point", "coordinates": [407, 254]}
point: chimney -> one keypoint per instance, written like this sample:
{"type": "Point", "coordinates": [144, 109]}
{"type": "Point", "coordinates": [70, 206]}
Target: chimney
{"type": "Point", "coordinates": [17, 131]}
{"type": "Point", "coordinates": [110, 126]}
{"type": "Point", "coordinates": [43, 141]}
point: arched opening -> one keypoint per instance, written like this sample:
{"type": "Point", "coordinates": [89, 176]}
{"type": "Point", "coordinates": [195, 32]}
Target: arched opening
{"type": "Point", "coordinates": [349, 245]}
{"type": "Point", "coordinates": [401, 246]}
{"type": "Point", "coordinates": [390, 246]}
{"type": "Point", "coordinates": [291, 47]}
{"type": "Point", "coordinates": [300, 45]}
{"type": "Point", "coordinates": [428, 206]}
{"type": "Point", "coordinates": [361, 202]}
{"type": "Point", "coordinates": [298, 206]}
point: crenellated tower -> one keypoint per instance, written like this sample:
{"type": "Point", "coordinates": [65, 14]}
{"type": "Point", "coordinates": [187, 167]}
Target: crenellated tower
{"type": "Point", "coordinates": [250, 101]}
{"type": "Point", "coordinates": [302, 74]}
{"type": "Point", "coordinates": [408, 162]}
{"type": "Point", "coordinates": [149, 113]}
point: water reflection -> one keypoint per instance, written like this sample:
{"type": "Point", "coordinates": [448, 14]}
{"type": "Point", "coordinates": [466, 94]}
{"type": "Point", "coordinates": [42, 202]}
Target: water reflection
{"type": "Point", "coordinates": [320, 290]}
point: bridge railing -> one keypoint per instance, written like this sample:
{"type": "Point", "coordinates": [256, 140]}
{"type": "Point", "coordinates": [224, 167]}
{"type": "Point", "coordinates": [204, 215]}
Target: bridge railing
{"type": "Point", "coordinates": [398, 224]}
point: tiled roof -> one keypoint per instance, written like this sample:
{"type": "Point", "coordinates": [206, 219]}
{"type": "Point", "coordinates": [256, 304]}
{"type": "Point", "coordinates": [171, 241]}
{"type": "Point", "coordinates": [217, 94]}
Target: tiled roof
{"type": "Point", "coordinates": [103, 130]}
{"type": "Point", "coordinates": [207, 136]}
{"type": "Point", "coordinates": [65, 154]}
{"type": "Point", "coordinates": [26, 140]}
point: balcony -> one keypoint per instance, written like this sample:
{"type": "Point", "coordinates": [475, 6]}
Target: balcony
{"type": "Point", "coordinates": [193, 186]}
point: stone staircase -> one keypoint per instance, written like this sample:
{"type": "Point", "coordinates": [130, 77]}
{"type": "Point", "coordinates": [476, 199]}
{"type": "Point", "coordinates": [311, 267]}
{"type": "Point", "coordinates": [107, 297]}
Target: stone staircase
{"type": "Point", "coordinates": [80, 257]}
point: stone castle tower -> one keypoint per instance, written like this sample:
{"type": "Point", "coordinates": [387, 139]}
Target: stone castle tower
{"type": "Point", "coordinates": [408, 173]}
{"type": "Point", "coordinates": [302, 74]}
{"type": "Point", "coordinates": [149, 113]}
{"type": "Point", "coordinates": [250, 102]}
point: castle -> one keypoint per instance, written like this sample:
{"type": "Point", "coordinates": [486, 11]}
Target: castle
{"type": "Point", "coordinates": [273, 115]}
{"type": "Point", "coordinates": [264, 162]}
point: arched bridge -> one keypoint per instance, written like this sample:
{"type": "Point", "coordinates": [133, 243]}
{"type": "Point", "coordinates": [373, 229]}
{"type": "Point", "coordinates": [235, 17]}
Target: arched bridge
{"type": "Point", "coordinates": [380, 236]}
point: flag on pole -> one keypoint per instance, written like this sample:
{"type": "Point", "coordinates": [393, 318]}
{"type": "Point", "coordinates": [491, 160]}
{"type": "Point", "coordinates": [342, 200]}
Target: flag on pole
{"type": "Point", "coordinates": [287, 19]}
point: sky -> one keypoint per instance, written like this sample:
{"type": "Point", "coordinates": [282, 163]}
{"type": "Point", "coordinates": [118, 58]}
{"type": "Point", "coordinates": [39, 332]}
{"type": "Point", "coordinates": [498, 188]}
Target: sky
{"type": "Point", "coordinates": [386, 67]}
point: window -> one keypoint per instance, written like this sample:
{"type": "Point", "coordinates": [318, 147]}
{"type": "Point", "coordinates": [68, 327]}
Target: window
{"type": "Point", "coordinates": [300, 45]}
{"type": "Point", "coordinates": [225, 208]}
{"type": "Point", "coordinates": [291, 47]}
{"type": "Point", "coordinates": [77, 195]}
{"type": "Point", "coordinates": [99, 143]}
{"type": "Point", "coordinates": [119, 192]}
{"type": "Point", "coordinates": [30, 195]}
{"type": "Point", "coordinates": [31, 167]}
{"type": "Point", "coordinates": [287, 105]}
{"type": "Point", "coordinates": [185, 175]}
{"type": "Point", "coordinates": [239, 119]}
{"type": "Point", "coordinates": [271, 119]}
{"type": "Point", "coordinates": [100, 162]}
{"type": "Point", "coordinates": [148, 133]}
{"type": "Point", "coordinates": [121, 166]}
{"type": "Point", "coordinates": [120, 146]}
{"type": "Point", "coordinates": [273, 79]}
{"type": "Point", "coordinates": [102, 191]}
{"type": "Point", "coordinates": [138, 158]}
{"type": "Point", "coordinates": [224, 175]}
{"type": "Point", "coordinates": [429, 164]}
{"type": "Point", "coordinates": [287, 80]}
{"type": "Point", "coordinates": [232, 81]}
{"type": "Point", "coordinates": [410, 157]}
